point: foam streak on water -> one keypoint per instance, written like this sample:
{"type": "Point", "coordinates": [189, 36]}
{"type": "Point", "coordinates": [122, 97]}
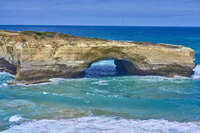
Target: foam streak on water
{"type": "Point", "coordinates": [104, 125]}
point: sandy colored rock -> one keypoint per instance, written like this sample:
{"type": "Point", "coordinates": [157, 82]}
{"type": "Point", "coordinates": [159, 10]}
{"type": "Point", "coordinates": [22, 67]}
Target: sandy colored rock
{"type": "Point", "coordinates": [37, 56]}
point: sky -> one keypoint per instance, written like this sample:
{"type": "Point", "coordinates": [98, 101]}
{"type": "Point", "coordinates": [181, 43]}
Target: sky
{"type": "Point", "coordinates": [101, 12]}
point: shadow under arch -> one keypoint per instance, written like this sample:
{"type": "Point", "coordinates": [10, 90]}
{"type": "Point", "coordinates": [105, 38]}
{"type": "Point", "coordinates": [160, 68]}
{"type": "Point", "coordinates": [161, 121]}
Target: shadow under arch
{"type": "Point", "coordinates": [111, 67]}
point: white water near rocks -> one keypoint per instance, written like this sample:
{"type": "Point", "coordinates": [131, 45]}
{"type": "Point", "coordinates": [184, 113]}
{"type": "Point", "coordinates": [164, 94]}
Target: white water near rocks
{"type": "Point", "coordinates": [196, 72]}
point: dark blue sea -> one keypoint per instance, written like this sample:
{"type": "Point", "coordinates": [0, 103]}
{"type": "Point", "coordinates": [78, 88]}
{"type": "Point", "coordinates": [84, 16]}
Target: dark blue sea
{"type": "Point", "coordinates": [102, 102]}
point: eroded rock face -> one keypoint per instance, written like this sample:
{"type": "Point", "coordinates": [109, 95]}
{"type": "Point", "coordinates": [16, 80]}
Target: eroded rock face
{"type": "Point", "coordinates": [38, 56]}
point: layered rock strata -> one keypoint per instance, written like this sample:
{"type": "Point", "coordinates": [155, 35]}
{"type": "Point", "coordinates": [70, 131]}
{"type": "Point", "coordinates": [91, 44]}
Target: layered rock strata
{"type": "Point", "coordinates": [38, 56]}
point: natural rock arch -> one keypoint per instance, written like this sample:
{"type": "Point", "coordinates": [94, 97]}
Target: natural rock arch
{"type": "Point", "coordinates": [39, 56]}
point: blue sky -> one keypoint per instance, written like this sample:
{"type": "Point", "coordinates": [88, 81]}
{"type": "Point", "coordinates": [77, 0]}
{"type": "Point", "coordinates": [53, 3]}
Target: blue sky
{"type": "Point", "coordinates": [101, 12]}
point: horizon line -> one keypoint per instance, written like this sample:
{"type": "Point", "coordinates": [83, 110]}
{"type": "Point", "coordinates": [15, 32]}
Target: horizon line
{"type": "Point", "coordinates": [101, 25]}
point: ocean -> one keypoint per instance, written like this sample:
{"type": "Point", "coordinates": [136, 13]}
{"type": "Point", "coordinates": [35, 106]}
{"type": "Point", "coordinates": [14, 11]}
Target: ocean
{"type": "Point", "coordinates": [103, 101]}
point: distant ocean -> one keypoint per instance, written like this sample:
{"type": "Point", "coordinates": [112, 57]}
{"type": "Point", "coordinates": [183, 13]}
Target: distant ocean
{"type": "Point", "coordinates": [101, 101]}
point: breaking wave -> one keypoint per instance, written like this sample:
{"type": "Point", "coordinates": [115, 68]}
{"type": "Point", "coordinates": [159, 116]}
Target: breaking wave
{"type": "Point", "coordinates": [105, 125]}
{"type": "Point", "coordinates": [196, 72]}
{"type": "Point", "coordinates": [15, 118]}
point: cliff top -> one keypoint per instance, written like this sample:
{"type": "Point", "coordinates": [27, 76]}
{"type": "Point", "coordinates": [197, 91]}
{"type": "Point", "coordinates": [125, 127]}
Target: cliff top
{"type": "Point", "coordinates": [41, 36]}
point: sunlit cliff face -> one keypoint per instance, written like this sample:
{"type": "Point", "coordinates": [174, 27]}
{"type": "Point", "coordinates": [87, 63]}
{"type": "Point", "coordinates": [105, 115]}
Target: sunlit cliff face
{"type": "Point", "coordinates": [39, 56]}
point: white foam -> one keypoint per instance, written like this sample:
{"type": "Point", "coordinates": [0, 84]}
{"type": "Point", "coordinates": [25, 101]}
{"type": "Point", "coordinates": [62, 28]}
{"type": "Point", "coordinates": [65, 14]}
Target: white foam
{"type": "Point", "coordinates": [56, 79]}
{"type": "Point", "coordinates": [6, 73]}
{"type": "Point", "coordinates": [44, 92]}
{"type": "Point", "coordinates": [26, 85]}
{"type": "Point", "coordinates": [196, 72]}
{"type": "Point", "coordinates": [175, 79]}
{"type": "Point", "coordinates": [100, 82]}
{"type": "Point", "coordinates": [3, 85]}
{"type": "Point", "coordinates": [15, 118]}
{"type": "Point", "coordinates": [104, 125]}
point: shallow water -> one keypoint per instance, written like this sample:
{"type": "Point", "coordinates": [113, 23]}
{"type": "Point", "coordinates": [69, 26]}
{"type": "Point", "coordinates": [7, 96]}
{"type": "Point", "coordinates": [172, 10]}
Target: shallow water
{"type": "Point", "coordinates": [103, 102]}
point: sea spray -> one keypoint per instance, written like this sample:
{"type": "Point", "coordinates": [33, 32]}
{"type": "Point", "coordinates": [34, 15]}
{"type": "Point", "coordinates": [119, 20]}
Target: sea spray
{"type": "Point", "coordinates": [196, 72]}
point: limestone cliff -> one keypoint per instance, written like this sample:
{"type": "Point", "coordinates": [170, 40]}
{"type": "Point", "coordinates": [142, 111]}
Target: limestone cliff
{"type": "Point", "coordinates": [37, 56]}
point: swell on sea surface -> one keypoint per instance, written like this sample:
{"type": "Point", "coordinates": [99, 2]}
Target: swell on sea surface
{"type": "Point", "coordinates": [104, 125]}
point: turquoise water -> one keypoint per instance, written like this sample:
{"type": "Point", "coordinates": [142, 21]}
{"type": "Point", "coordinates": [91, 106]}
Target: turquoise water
{"type": "Point", "coordinates": [103, 101]}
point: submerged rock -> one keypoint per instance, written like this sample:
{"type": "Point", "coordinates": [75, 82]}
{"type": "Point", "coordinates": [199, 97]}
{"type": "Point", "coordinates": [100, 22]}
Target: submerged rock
{"type": "Point", "coordinates": [38, 56]}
